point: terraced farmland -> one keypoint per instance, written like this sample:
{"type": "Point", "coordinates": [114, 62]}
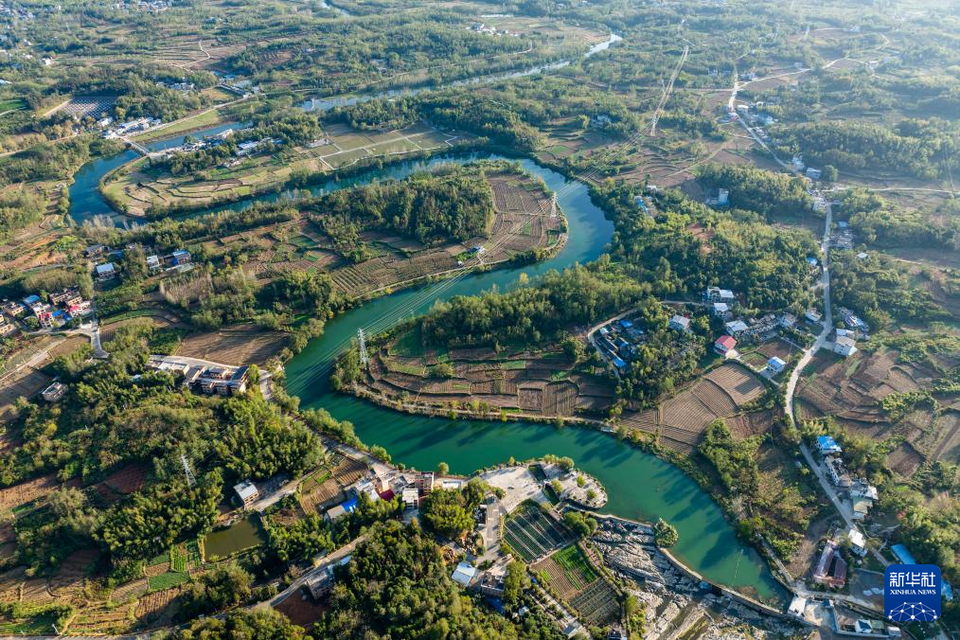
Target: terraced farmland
{"type": "Point", "coordinates": [533, 533]}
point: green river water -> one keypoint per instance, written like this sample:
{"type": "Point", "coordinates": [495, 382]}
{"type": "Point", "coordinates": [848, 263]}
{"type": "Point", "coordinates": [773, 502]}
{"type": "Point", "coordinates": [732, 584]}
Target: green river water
{"type": "Point", "coordinates": [640, 485]}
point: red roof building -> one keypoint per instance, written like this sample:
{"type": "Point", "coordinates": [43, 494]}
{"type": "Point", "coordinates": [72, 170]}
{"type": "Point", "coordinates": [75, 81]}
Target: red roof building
{"type": "Point", "coordinates": [724, 344]}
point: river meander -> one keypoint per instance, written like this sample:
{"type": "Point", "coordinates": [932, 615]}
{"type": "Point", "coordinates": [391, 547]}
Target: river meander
{"type": "Point", "coordinates": [640, 485]}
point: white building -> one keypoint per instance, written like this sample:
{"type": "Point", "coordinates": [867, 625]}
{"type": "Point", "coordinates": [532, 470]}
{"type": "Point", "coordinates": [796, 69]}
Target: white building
{"type": "Point", "coordinates": [721, 310]}
{"type": "Point", "coordinates": [776, 365]}
{"type": "Point", "coordinates": [844, 346]}
{"type": "Point", "coordinates": [716, 294]}
{"type": "Point", "coordinates": [736, 327]}
{"type": "Point", "coordinates": [858, 543]}
{"type": "Point", "coordinates": [464, 574]}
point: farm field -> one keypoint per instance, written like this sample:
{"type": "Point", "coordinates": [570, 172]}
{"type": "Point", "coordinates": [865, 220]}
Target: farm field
{"type": "Point", "coordinates": [681, 421]}
{"type": "Point", "coordinates": [141, 189]}
{"type": "Point", "coordinates": [544, 383]}
{"type": "Point", "coordinates": [852, 389]}
{"type": "Point", "coordinates": [326, 486]}
{"type": "Point", "coordinates": [573, 579]}
{"type": "Point", "coordinates": [236, 345]}
{"type": "Point", "coordinates": [534, 533]}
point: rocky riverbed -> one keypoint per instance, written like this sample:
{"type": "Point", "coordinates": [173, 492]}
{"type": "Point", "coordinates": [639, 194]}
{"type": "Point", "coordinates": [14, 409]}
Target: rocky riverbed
{"type": "Point", "coordinates": [676, 606]}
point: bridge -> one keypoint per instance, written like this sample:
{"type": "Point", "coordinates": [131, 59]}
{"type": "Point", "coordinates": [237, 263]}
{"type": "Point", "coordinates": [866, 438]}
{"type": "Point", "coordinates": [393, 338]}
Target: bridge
{"type": "Point", "coordinates": [136, 146]}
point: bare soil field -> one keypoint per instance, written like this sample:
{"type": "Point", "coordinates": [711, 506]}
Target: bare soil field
{"type": "Point", "coordinates": [237, 345]}
{"type": "Point", "coordinates": [25, 492]}
{"type": "Point", "coordinates": [301, 609]}
{"type": "Point", "coordinates": [24, 384]}
{"type": "Point", "coordinates": [326, 487]}
{"type": "Point", "coordinates": [140, 189]}
{"type": "Point", "coordinates": [681, 420]}
{"type": "Point", "coordinates": [543, 383]}
{"type": "Point", "coordinates": [523, 220]}
{"type": "Point", "coordinates": [852, 389]}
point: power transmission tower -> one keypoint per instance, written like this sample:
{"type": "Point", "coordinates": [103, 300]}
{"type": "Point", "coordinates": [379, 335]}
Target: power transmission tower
{"type": "Point", "coordinates": [187, 471]}
{"type": "Point", "coordinates": [363, 347]}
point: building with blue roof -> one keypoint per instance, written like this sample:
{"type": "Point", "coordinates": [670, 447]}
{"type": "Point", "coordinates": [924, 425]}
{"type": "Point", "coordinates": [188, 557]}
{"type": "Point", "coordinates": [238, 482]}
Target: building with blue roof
{"type": "Point", "coordinates": [626, 324]}
{"type": "Point", "coordinates": [31, 300]}
{"type": "Point", "coordinates": [903, 554]}
{"type": "Point", "coordinates": [827, 445]}
{"type": "Point", "coordinates": [619, 364]}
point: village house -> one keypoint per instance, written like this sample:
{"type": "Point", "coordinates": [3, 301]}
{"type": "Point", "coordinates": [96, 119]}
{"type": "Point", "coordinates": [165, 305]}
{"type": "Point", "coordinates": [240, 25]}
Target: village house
{"type": "Point", "coordinates": [858, 543]}
{"type": "Point", "coordinates": [320, 584]}
{"type": "Point", "coordinates": [826, 445]}
{"type": "Point", "coordinates": [410, 497]}
{"type": "Point", "coordinates": [14, 309]}
{"type": "Point", "coordinates": [736, 327]}
{"type": "Point", "coordinates": [247, 493]}
{"type": "Point", "coordinates": [336, 512]}
{"type": "Point", "coordinates": [492, 585]}
{"type": "Point", "coordinates": [153, 263]}
{"type": "Point", "coordinates": [838, 474]}
{"type": "Point", "coordinates": [776, 365]}
{"type": "Point", "coordinates": [844, 346]}
{"type": "Point", "coordinates": [724, 345]}
{"type": "Point", "coordinates": [812, 316]}
{"type": "Point", "coordinates": [721, 310]}
{"type": "Point", "coordinates": [831, 568]}
{"type": "Point", "coordinates": [106, 271]}
{"type": "Point", "coordinates": [6, 328]}
{"type": "Point", "coordinates": [54, 392]}
{"type": "Point", "coordinates": [716, 294]}
{"type": "Point", "coordinates": [787, 321]}
{"type": "Point", "coordinates": [680, 323]}
{"type": "Point", "coordinates": [224, 381]}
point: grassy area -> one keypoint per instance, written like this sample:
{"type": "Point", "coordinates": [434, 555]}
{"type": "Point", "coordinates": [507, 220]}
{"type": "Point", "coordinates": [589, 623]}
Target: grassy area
{"type": "Point", "coordinates": [409, 345]}
{"type": "Point", "coordinates": [13, 104]}
{"type": "Point", "coordinates": [178, 559]}
{"type": "Point", "coordinates": [202, 120]}
{"type": "Point", "coordinates": [166, 580]}
{"type": "Point", "coordinates": [575, 564]}
{"type": "Point", "coordinates": [513, 365]}
{"type": "Point", "coordinates": [36, 626]}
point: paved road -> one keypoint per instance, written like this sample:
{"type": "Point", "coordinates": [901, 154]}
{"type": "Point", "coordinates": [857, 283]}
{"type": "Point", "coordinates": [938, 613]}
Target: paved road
{"type": "Point", "coordinates": [302, 580]}
{"type": "Point", "coordinates": [844, 509]}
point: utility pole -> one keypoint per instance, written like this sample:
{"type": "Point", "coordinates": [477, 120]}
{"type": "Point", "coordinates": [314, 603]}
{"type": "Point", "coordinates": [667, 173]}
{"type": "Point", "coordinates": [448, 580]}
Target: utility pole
{"type": "Point", "coordinates": [363, 347]}
{"type": "Point", "coordinates": [187, 471]}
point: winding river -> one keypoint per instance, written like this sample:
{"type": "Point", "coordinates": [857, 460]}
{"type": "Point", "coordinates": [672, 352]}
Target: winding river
{"type": "Point", "coordinates": [640, 485]}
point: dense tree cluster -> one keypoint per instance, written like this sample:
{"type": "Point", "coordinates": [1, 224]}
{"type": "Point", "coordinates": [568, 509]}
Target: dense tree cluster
{"type": "Point", "coordinates": [528, 315]}
{"type": "Point", "coordinates": [261, 441]}
{"type": "Point", "coordinates": [451, 203]}
{"type": "Point", "coordinates": [921, 148]}
{"type": "Point", "coordinates": [769, 194]}
{"type": "Point", "coordinates": [396, 583]}
{"type": "Point", "coordinates": [879, 222]}
{"type": "Point", "coordinates": [53, 160]}
{"type": "Point", "coordinates": [878, 288]}
{"type": "Point", "coordinates": [450, 513]}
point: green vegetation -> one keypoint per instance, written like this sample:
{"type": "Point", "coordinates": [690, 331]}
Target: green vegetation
{"type": "Point", "coordinates": [447, 204]}
{"type": "Point", "coordinates": [665, 534]}
{"type": "Point", "coordinates": [878, 289]}
{"type": "Point", "coordinates": [450, 513]}
{"type": "Point", "coordinates": [427, 605]}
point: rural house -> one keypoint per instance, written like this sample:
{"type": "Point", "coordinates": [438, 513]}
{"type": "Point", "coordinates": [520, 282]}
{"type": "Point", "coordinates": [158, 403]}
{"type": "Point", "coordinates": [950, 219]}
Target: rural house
{"type": "Point", "coordinates": [247, 493]}
{"type": "Point", "coordinates": [680, 323]}
{"type": "Point", "coordinates": [724, 345]}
